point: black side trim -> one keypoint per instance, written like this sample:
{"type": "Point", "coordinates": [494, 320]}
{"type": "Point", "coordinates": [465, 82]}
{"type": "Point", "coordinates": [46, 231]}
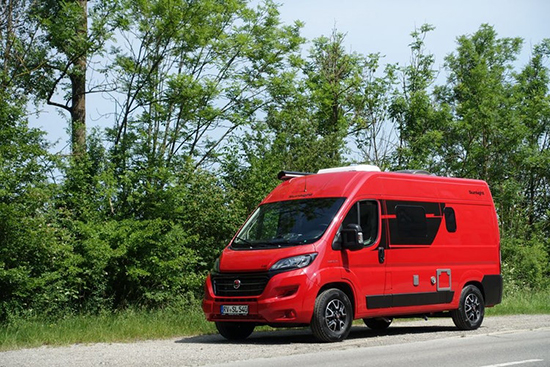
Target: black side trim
{"type": "Point", "coordinates": [409, 299]}
{"type": "Point", "coordinates": [492, 287]}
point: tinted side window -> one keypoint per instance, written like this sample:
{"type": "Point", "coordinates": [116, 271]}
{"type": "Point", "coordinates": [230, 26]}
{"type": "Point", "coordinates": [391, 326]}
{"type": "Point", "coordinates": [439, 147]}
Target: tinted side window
{"type": "Point", "coordinates": [368, 220]}
{"type": "Point", "coordinates": [352, 217]}
{"type": "Point", "coordinates": [450, 219]}
{"type": "Point", "coordinates": [364, 213]}
{"type": "Point", "coordinates": [411, 222]}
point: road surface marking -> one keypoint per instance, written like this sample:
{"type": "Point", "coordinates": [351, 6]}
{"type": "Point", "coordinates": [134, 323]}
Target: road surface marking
{"type": "Point", "coordinates": [514, 363]}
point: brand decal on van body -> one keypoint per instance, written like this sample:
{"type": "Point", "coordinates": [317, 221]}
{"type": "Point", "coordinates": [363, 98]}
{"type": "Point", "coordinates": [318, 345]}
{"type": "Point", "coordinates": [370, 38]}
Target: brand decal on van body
{"type": "Point", "coordinates": [300, 196]}
{"type": "Point", "coordinates": [476, 192]}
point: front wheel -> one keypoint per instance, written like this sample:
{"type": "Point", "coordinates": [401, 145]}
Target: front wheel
{"type": "Point", "coordinates": [332, 316]}
{"type": "Point", "coordinates": [235, 330]}
{"type": "Point", "coordinates": [471, 309]}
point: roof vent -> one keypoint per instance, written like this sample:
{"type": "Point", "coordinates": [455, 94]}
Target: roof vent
{"type": "Point", "coordinates": [358, 168]}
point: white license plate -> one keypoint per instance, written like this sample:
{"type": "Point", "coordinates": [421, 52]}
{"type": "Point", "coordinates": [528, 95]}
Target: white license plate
{"type": "Point", "coordinates": [234, 309]}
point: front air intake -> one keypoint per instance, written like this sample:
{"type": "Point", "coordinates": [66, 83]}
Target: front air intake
{"type": "Point", "coordinates": [239, 285]}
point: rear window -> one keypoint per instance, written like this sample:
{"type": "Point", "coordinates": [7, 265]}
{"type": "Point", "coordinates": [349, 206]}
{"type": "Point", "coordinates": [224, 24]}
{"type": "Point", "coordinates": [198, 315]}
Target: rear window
{"type": "Point", "coordinates": [450, 219]}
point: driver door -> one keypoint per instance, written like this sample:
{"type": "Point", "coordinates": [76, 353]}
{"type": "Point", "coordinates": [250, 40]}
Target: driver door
{"type": "Point", "coordinates": [363, 267]}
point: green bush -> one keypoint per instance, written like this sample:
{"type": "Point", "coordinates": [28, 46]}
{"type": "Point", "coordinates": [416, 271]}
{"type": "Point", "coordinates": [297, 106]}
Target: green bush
{"type": "Point", "coordinates": [525, 263]}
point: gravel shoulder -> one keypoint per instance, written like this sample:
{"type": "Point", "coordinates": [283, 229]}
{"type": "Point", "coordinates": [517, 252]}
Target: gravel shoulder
{"type": "Point", "coordinates": [213, 349]}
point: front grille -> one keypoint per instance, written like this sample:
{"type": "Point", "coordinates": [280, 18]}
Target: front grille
{"type": "Point", "coordinates": [250, 284]}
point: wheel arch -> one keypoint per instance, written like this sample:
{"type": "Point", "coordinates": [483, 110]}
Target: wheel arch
{"type": "Point", "coordinates": [478, 285]}
{"type": "Point", "coordinates": [344, 287]}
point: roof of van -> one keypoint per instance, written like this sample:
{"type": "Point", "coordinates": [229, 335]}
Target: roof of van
{"type": "Point", "coordinates": [364, 183]}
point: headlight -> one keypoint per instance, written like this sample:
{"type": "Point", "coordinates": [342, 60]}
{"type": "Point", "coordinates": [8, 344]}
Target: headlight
{"type": "Point", "coordinates": [296, 262]}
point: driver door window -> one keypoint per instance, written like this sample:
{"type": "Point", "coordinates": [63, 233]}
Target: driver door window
{"type": "Point", "coordinates": [364, 213]}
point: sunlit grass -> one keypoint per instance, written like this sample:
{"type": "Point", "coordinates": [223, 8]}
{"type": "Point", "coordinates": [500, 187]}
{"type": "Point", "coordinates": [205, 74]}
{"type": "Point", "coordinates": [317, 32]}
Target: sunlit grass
{"type": "Point", "coordinates": [129, 325]}
{"type": "Point", "coordinates": [522, 301]}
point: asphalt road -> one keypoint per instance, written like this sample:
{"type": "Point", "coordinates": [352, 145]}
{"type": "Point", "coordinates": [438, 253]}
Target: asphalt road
{"type": "Point", "coordinates": [524, 348]}
{"type": "Point", "coordinates": [521, 340]}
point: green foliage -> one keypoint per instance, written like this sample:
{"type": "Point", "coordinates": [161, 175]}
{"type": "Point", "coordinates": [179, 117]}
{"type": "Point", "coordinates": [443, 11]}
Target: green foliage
{"type": "Point", "coordinates": [34, 261]}
{"type": "Point", "coordinates": [313, 107]}
{"type": "Point", "coordinates": [418, 120]}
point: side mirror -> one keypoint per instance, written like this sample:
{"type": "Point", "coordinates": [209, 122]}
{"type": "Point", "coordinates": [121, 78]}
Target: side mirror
{"type": "Point", "coordinates": [352, 237]}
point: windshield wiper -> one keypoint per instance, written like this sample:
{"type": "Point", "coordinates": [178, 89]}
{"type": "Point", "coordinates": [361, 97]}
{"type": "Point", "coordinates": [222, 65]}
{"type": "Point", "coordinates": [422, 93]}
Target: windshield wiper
{"type": "Point", "coordinates": [283, 242]}
{"type": "Point", "coordinates": [242, 241]}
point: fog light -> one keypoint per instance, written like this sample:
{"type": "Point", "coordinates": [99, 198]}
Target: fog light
{"type": "Point", "coordinates": [290, 314]}
{"type": "Point", "coordinates": [287, 291]}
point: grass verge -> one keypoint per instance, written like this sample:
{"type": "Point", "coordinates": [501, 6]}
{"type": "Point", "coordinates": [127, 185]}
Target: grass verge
{"type": "Point", "coordinates": [132, 325]}
{"type": "Point", "coordinates": [521, 301]}
{"type": "Point", "coordinates": [124, 326]}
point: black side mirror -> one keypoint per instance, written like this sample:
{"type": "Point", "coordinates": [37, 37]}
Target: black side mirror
{"type": "Point", "coordinates": [352, 237]}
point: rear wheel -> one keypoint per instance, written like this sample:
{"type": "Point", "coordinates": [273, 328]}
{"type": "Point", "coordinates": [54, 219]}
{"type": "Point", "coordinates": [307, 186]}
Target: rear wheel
{"type": "Point", "coordinates": [332, 316]}
{"type": "Point", "coordinates": [471, 309]}
{"type": "Point", "coordinates": [378, 323]}
{"type": "Point", "coordinates": [235, 330]}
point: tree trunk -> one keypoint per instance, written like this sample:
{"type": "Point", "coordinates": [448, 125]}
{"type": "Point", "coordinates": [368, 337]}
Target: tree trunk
{"type": "Point", "coordinates": [78, 82]}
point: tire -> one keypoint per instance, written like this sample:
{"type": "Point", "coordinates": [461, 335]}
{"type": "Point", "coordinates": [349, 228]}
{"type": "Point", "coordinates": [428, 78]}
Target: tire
{"type": "Point", "coordinates": [332, 316]}
{"type": "Point", "coordinates": [378, 323]}
{"type": "Point", "coordinates": [471, 309]}
{"type": "Point", "coordinates": [235, 330]}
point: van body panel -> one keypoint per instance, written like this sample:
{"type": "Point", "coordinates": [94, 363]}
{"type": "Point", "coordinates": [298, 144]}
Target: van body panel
{"type": "Point", "coordinates": [430, 237]}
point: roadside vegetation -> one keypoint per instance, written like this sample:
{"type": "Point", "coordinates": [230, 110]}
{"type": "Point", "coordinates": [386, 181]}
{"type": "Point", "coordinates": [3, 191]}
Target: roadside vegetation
{"type": "Point", "coordinates": [175, 321]}
{"type": "Point", "coordinates": [110, 238]}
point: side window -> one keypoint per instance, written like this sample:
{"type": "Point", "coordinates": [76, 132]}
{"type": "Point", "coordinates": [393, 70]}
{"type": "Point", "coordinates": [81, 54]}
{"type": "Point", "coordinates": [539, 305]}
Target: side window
{"type": "Point", "coordinates": [352, 217]}
{"type": "Point", "coordinates": [364, 213]}
{"type": "Point", "coordinates": [450, 219]}
{"type": "Point", "coordinates": [368, 218]}
{"type": "Point", "coordinates": [411, 222]}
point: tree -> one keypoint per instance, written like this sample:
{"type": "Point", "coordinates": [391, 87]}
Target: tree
{"type": "Point", "coordinates": [189, 75]}
{"type": "Point", "coordinates": [333, 79]}
{"type": "Point", "coordinates": [419, 122]}
{"type": "Point", "coordinates": [498, 133]}
{"type": "Point", "coordinates": [532, 98]}
{"type": "Point", "coordinates": [374, 135]}
{"type": "Point", "coordinates": [484, 134]}
{"type": "Point", "coordinates": [312, 108]}
{"type": "Point", "coordinates": [52, 46]}
{"type": "Point", "coordinates": [29, 277]}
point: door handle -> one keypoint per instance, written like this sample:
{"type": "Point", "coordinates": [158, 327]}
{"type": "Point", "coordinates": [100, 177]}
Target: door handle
{"type": "Point", "coordinates": [381, 255]}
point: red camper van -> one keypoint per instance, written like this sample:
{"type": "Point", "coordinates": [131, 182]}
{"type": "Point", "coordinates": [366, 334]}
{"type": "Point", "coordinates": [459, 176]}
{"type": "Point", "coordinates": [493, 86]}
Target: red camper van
{"type": "Point", "coordinates": [356, 243]}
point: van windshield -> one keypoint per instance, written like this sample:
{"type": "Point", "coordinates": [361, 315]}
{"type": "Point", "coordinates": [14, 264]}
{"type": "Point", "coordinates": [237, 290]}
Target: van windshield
{"type": "Point", "coordinates": [287, 223]}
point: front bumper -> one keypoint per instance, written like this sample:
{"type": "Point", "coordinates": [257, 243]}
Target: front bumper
{"type": "Point", "coordinates": [288, 298]}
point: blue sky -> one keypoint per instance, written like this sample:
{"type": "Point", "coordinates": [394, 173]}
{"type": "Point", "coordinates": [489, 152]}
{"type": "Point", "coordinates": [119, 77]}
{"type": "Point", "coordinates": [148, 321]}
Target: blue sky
{"type": "Point", "coordinates": [385, 25]}
{"type": "Point", "coordinates": [382, 26]}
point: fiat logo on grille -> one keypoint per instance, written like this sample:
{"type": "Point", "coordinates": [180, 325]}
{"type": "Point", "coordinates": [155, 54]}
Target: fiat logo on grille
{"type": "Point", "coordinates": [236, 284]}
